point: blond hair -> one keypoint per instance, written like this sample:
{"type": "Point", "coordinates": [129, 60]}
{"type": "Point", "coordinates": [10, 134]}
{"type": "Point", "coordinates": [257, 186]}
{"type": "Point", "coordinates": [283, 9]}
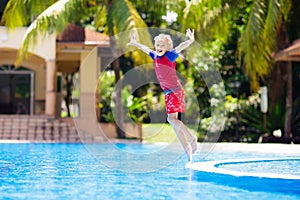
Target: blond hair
{"type": "Point", "coordinates": [166, 38]}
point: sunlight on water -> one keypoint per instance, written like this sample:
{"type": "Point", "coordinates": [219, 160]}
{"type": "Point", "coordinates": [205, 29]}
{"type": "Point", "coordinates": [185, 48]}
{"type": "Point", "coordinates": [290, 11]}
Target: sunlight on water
{"type": "Point", "coordinates": [69, 171]}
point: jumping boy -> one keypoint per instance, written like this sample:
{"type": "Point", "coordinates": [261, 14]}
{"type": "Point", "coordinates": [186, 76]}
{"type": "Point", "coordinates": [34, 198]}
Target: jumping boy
{"type": "Point", "coordinates": [164, 58]}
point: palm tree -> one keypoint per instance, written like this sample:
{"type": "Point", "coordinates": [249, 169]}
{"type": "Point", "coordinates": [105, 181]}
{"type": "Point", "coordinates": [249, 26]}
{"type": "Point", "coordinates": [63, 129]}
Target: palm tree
{"type": "Point", "coordinates": [120, 16]}
{"type": "Point", "coordinates": [264, 33]}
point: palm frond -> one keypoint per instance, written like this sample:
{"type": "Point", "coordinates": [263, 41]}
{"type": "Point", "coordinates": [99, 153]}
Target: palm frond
{"type": "Point", "coordinates": [54, 18]}
{"type": "Point", "coordinates": [150, 5]}
{"type": "Point", "coordinates": [209, 18]}
{"type": "Point", "coordinates": [14, 15]}
{"type": "Point", "coordinates": [44, 23]}
{"type": "Point", "coordinates": [285, 7]}
{"type": "Point", "coordinates": [272, 23]}
{"type": "Point", "coordinates": [259, 39]}
{"type": "Point", "coordinates": [101, 17]}
{"type": "Point", "coordinates": [21, 12]}
{"type": "Point", "coordinates": [253, 48]}
{"type": "Point", "coordinates": [125, 19]}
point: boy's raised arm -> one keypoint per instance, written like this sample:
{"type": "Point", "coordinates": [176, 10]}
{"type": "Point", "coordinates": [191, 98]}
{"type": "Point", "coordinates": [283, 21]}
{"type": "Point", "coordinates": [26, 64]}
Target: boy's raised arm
{"type": "Point", "coordinates": [183, 45]}
{"type": "Point", "coordinates": [134, 42]}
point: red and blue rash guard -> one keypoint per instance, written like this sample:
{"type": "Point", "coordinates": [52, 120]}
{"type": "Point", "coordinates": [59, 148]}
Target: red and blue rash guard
{"type": "Point", "coordinates": [165, 69]}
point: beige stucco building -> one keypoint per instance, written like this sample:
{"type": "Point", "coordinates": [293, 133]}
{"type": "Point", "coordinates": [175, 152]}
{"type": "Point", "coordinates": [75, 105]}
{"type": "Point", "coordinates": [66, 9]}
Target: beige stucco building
{"type": "Point", "coordinates": [33, 87]}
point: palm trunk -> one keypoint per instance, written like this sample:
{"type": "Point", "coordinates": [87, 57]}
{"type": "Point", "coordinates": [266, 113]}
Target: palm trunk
{"type": "Point", "coordinates": [119, 108]}
{"type": "Point", "coordinates": [289, 101]}
{"type": "Point", "coordinates": [283, 42]}
{"type": "Point", "coordinates": [115, 64]}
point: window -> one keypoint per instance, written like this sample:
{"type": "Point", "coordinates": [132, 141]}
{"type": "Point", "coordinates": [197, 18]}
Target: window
{"type": "Point", "coordinates": [16, 87]}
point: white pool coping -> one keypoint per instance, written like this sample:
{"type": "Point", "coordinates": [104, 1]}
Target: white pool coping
{"type": "Point", "coordinates": [274, 151]}
{"type": "Point", "coordinates": [211, 166]}
{"type": "Point", "coordinates": [266, 148]}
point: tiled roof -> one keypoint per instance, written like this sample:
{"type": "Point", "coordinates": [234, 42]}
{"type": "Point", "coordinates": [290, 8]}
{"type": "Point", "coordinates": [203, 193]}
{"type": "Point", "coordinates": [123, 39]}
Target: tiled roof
{"type": "Point", "coordinates": [73, 33]}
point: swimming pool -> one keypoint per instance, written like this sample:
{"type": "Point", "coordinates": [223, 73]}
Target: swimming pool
{"type": "Point", "coordinates": [71, 171]}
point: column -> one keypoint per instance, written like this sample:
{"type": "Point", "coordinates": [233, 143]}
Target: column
{"type": "Point", "coordinates": [87, 124]}
{"type": "Point", "coordinates": [50, 107]}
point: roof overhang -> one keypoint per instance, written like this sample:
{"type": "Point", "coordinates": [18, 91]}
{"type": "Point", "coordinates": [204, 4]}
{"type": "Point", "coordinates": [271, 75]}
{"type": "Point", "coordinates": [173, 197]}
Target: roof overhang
{"type": "Point", "coordinates": [292, 53]}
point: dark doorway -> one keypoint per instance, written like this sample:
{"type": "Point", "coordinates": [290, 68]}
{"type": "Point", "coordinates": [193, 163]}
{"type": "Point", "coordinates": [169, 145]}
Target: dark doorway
{"type": "Point", "coordinates": [2, 7]}
{"type": "Point", "coordinates": [15, 93]}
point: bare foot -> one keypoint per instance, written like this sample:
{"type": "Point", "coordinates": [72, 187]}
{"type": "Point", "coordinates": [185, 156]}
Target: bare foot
{"type": "Point", "coordinates": [188, 152]}
{"type": "Point", "coordinates": [194, 145]}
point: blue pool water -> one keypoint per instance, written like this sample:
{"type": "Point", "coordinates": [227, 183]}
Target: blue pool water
{"type": "Point", "coordinates": [77, 171]}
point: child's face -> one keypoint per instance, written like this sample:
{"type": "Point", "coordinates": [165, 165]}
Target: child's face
{"type": "Point", "coordinates": [161, 46]}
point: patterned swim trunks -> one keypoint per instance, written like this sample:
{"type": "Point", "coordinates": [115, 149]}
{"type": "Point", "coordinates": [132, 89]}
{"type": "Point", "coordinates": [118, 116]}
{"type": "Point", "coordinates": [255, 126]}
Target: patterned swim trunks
{"type": "Point", "coordinates": [175, 101]}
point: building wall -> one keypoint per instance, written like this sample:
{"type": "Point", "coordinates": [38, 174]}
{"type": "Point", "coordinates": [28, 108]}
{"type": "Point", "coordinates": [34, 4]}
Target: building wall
{"type": "Point", "coordinates": [44, 46]}
{"type": "Point", "coordinates": [43, 51]}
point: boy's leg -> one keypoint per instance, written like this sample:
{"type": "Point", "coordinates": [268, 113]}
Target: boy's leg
{"type": "Point", "coordinates": [178, 127]}
{"type": "Point", "coordinates": [191, 137]}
